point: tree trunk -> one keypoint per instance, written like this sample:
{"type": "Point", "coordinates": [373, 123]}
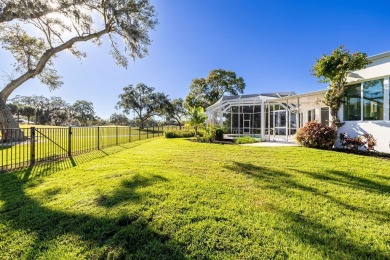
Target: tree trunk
{"type": "Point", "coordinates": [335, 122]}
{"type": "Point", "coordinates": [10, 131]}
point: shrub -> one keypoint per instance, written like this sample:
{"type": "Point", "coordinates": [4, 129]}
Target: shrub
{"type": "Point", "coordinates": [245, 140]}
{"type": "Point", "coordinates": [208, 135]}
{"type": "Point", "coordinates": [354, 143]}
{"type": "Point", "coordinates": [219, 134]}
{"type": "Point", "coordinates": [316, 135]}
{"type": "Point", "coordinates": [211, 134]}
{"type": "Point", "coordinates": [179, 134]}
{"type": "Point", "coordinates": [370, 141]}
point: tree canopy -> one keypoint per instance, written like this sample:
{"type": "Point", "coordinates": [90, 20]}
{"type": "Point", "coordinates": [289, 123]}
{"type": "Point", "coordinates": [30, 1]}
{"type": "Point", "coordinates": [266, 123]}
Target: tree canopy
{"type": "Point", "coordinates": [57, 25]}
{"type": "Point", "coordinates": [83, 112]}
{"type": "Point", "coordinates": [119, 119]}
{"type": "Point", "coordinates": [334, 69]}
{"type": "Point", "coordinates": [176, 111]}
{"type": "Point", "coordinates": [206, 91]}
{"type": "Point", "coordinates": [143, 101]}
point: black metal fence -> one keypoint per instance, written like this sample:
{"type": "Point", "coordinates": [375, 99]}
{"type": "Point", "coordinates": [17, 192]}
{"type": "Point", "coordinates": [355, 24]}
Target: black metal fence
{"type": "Point", "coordinates": [48, 144]}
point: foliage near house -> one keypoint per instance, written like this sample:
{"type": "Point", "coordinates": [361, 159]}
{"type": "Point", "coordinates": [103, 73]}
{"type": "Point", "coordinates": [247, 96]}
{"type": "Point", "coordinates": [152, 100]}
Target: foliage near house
{"type": "Point", "coordinates": [245, 140]}
{"type": "Point", "coordinates": [316, 135]}
{"type": "Point", "coordinates": [334, 69]}
{"type": "Point", "coordinates": [354, 143]}
{"type": "Point", "coordinates": [176, 199]}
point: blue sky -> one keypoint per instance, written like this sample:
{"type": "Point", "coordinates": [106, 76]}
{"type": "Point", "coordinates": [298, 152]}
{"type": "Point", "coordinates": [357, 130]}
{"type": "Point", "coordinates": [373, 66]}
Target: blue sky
{"type": "Point", "coordinates": [271, 44]}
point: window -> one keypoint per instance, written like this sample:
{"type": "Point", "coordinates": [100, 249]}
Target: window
{"type": "Point", "coordinates": [325, 115]}
{"type": "Point", "coordinates": [373, 99]}
{"type": "Point", "coordinates": [352, 103]}
{"type": "Point", "coordinates": [300, 120]}
{"type": "Point", "coordinates": [311, 115]}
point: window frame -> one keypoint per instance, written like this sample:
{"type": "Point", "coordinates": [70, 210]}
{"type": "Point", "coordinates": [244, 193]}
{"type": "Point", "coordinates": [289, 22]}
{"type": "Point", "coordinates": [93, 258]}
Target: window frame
{"type": "Point", "coordinates": [386, 101]}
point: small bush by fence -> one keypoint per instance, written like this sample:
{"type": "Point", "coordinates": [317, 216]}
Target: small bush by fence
{"type": "Point", "coordinates": [48, 144]}
{"type": "Point", "coordinates": [180, 134]}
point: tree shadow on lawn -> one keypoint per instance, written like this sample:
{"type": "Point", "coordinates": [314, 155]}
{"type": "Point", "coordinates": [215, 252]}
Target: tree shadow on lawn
{"type": "Point", "coordinates": [331, 243]}
{"type": "Point", "coordinates": [329, 240]}
{"type": "Point", "coordinates": [128, 191]}
{"type": "Point", "coordinates": [124, 235]}
{"type": "Point", "coordinates": [348, 179]}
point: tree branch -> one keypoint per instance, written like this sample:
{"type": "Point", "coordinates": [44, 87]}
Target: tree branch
{"type": "Point", "coordinates": [6, 92]}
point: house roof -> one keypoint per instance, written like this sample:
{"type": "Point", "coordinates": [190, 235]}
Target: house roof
{"type": "Point", "coordinates": [307, 94]}
{"type": "Point", "coordinates": [379, 56]}
{"type": "Point", "coordinates": [275, 95]}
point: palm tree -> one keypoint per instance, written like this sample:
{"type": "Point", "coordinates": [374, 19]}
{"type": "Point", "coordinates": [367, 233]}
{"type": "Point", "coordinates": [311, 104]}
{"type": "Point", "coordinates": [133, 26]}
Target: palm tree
{"type": "Point", "coordinates": [196, 118]}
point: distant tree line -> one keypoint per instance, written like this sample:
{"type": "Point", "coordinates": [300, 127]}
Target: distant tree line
{"type": "Point", "coordinates": [53, 111]}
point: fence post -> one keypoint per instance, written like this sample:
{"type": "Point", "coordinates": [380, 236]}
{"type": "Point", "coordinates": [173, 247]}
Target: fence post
{"type": "Point", "coordinates": [153, 130]}
{"type": "Point", "coordinates": [158, 130]}
{"type": "Point", "coordinates": [139, 133]}
{"type": "Point", "coordinates": [70, 141]}
{"type": "Point", "coordinates": [32, 145]}
{"type": "Point", "coordinates": [147, 132]}
{"type": "Point", "coordinates": [116, 135]}
{"type": "Point", "coordinates": [98, 138]}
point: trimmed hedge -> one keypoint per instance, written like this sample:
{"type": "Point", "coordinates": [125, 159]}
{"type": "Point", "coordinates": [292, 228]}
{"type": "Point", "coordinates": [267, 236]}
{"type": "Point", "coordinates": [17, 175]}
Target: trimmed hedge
{"type": "Point", "coordinates": [181, 134]}
{"type": "Point", "coordinates": [316, 135]}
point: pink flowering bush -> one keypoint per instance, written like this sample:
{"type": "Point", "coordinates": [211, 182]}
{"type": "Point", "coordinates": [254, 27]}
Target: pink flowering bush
{"type": "Point", "coordinates": [316, 135]}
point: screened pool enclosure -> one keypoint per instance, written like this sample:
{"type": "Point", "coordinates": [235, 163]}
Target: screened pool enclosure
{"type": "Point", "coordinates": [268, 115]}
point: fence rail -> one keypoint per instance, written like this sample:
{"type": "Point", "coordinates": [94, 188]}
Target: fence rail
{"type": "Point", "coordinates": [49, 144]}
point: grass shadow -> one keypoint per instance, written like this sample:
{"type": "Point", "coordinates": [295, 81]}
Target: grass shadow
{"type": "Point", "coordinates": [123, 236]}
{"type": "Point", "coordinates": [350, 180]}
{"type": "Point", "coordinates": [128, 191]}
{"type": "Point", "coordinates": [325, 238]}
{"type": "Point", "coordinates": [332, 243]}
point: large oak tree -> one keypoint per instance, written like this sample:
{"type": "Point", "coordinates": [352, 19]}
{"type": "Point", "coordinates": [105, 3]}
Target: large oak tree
{"type": "Point", "coordinates": [58, 26]}
{"type": "Point", "coordinates": [143, 101]}
{"type": "Point", "coordinates": [83, 112]}
{"type": "Point", "coordinates": [206, 91]}
{"type": "Point", "coordinates": [176, 111]}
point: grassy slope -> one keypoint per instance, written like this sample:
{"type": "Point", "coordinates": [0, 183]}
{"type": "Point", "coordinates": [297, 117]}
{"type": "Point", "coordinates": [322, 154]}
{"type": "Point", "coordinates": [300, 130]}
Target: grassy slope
{"type": "Point", "coordinates": [179, 199]}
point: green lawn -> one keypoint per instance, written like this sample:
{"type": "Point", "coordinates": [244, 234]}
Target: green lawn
{"type": "Point", "coordinates": [172, 198]}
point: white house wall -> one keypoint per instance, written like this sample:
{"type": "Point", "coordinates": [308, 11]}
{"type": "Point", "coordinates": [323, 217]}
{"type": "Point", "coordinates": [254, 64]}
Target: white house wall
{"type": "Point", "coordinates": [378, 69]}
